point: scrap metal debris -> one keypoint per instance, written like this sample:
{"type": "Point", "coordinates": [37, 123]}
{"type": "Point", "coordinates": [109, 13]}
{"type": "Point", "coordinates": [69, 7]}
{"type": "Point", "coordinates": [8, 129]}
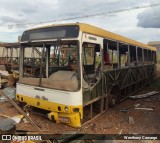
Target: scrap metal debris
{"type": "Point", "coordinates": [136, 105]}
{"type": "Point", "coordinates": [28, 118]}
{"type": "Point", "coordinates": [9, 123]}
{"type": "Point", "coordinates": [124, 110]}
{"type": "Point", "coordinates": [149, 109]}
{"type": "Point", "coordinates": [6, 79]}
{"type": "Point", "coordinates": [1, 115]}
{"type": "Point", "coordinates": [4, 72]}
{"type": "Point", "coordinates": [153, 98]}
{"type": "Point", "coordinates": [131, 120]}
{"type": "Point", "coordinates": [144, 95]}
{"type": "Point", "coordinates": [10, 92]}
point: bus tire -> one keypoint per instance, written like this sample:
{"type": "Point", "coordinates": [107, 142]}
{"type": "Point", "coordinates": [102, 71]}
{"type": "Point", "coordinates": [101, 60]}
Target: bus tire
{"type": "Point", "coordinates": [112, 100]}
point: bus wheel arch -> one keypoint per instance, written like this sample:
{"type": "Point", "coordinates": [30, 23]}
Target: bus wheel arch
{"type": "Point", "coordinates": [113, 95]}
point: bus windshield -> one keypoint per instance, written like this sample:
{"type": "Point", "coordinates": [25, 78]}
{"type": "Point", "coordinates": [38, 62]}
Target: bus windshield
{"type": "Point", "coordinates": [63, 55]}
{"type": "Point", "coordinates": [56, 61]}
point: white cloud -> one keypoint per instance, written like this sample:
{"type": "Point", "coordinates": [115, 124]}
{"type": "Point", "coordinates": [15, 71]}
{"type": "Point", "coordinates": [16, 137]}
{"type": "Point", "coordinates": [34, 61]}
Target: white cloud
{"type": "Point", "coordinates": [150, 18]}
{"type": "Point", "coordinates": [125, 23]}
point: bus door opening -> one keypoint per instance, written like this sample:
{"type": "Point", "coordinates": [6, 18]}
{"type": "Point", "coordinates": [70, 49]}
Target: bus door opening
{"type": "Point", "coordinates": [91, 62]}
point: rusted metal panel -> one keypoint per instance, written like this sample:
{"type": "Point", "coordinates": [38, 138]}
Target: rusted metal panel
{"type": "Point", "coordinates": [130, 79]}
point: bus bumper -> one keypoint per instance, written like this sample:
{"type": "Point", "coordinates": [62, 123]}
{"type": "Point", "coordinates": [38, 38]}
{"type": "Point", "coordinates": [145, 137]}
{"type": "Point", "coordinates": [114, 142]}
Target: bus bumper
{"type": "Point", "coordinates": [70, 119]}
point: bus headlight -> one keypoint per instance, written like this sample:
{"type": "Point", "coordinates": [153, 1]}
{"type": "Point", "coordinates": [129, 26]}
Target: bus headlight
{"type": "Point", "coordinates": [75, 109]}
{"type": "Point", "coordinates": [66, 108]}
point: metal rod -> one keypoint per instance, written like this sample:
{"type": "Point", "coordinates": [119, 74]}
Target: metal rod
{"type": "Point", "coordinates": [40, 81]}
{"type": "Point", "coordinates": [28, 118]}
{"type": "Point", "coordinates": [91, 110]}
{"type": "Point", "coordinates": [129, 56]}
{"type": "Point", "coordinates": [137, 55]}
{"type": "Point", "coordinates": [21, 61]}
{"type": "Point", "coordinates": [118, 55]}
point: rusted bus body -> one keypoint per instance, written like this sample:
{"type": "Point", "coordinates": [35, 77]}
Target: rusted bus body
{"type": "Point", "coordinates": [128, 69]}
{"type": "Point", "coordinates": [7, 52]}
{"type": "Point", "coordinates": [9, 56]}
{"type": "Point", "coordinates": [82, 69]}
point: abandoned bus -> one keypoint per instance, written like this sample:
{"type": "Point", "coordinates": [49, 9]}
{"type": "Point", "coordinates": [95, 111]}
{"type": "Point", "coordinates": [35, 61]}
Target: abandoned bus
{"type": "Point", "coordinates": [9, 55]}
{"type": "Point", "coordinates": [81, 70]}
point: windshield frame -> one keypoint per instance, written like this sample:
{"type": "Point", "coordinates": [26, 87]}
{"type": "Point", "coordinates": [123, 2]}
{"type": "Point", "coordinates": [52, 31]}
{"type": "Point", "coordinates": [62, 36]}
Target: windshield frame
{"type": "Point", "coordinates": [71, 31]}
{"type": "Point", "coordinates": [48, 44]}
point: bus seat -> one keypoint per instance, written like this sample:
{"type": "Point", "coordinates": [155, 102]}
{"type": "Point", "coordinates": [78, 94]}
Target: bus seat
{"type": "Point", "coordinates": [66, 80]}
{"type": "Point", "coordinates": [63, 80]}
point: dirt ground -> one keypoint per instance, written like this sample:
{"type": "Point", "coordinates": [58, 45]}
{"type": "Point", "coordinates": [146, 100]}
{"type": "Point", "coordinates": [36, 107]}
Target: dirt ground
{"type": "Point", "coordinates": [122, 119]}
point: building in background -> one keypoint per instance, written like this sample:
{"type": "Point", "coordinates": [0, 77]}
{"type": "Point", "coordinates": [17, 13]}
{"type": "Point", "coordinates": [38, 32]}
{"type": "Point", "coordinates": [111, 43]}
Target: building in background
{"type": "Point", "coordinates": [155, 44]}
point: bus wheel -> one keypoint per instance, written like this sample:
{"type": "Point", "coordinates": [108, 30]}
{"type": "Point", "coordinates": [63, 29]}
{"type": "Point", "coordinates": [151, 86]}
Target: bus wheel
{"type": "Point", "coordinates": [112, 100]}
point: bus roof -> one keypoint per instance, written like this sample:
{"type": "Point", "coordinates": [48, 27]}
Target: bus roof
{"type": "Point", "coordinates": [87, 28]}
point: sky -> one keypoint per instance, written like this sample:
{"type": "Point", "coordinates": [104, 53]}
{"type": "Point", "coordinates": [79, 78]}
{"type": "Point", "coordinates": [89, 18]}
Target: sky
{"type": "Point", "coordinates": [141, 24]}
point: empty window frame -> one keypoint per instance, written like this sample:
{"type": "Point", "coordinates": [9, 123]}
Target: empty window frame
{"type": "Point", "coordinates": [123, 55]}
{"type": "Point", "coordinates": [140, 55]}
{"type": "Point", "coordinates": [110, 54]}
{"type": "Point", "coordinates": [133, 57]}
{"type": "Point", "coordinates": [145, 55]}
{"type": "Point", "coordinates": [149, 56]}
{"type": "Point", "coordinates": [15, 56]}
{"type": "Point", "coordinates": [89, 53]}
{"type": "Point", "coordinates": [91, 58]}
{"type": "Point", "coordinates": [154, 59]}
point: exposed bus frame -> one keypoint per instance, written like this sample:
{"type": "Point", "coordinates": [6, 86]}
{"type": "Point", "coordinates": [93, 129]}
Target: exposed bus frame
{"type": "Point", "coordinates": [9, 60]}
{"type": "Point", "coordinates": [113, 83]}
